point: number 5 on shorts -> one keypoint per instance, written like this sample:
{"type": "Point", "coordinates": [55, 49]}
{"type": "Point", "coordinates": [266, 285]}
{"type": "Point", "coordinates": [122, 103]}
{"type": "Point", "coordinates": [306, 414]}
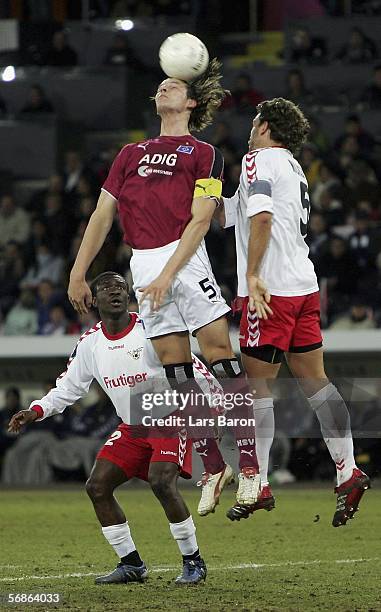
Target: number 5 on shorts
{"type": "Point", "coordinates": [206, 286]}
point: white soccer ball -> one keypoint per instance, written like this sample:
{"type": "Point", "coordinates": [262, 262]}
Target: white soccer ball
{"type": "Point", "coordinates": [183, 56]}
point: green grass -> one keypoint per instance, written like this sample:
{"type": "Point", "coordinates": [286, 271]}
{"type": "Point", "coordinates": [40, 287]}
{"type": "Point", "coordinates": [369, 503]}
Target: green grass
{"type": "Point", "coordinates": [55, 532]}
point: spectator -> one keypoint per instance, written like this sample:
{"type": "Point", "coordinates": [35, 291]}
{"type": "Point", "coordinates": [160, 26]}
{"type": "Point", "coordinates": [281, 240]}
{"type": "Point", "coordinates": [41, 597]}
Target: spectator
{"type": "Point", "coordinates": [58, 221]}
{"type": "Point", "coordinates": [360, 316]}
{"type": "Point", "coordinates": [326, 179]}
{"type": "Point", "coordinates": [360, 242]}
{"type": "Point", "coordinates": [55, 187]}
{"type": "Point", "coordinates": [296, 89]}
{"type": "Point", "coordinates": [60, 53]}
{"type": "Point", "coordinates": [353, 127]}
{"type": "Point", "coordinates": [21, 320]}
{"type": "Point", "coordinates": [307, 49]}
{"type": "Point", "coordinates": [318, 236]}
{"type": "Point", "coordinates": [56, 324]}
{"type": "Point", "coordinates": [310, 162]}
{"type": "Point", "coordinates": [359, 49]}
{"type": "Point", "coordinates": [11, 271]}
{"type": "Point", "coordinates": [47, 297]}
{"type": "Point", "coordinates": [360, 183]}
{"type": "Point", "coordinates": [38, 235]}
{"type": "Point", "coordinates": [331, 207]}
{"type": "Point", "coordinates": [74, 169]}
{"type": "Point", "coordinates": [244, 97]}
{"type": "Point", "coordinates": [47, 267]}
{"type": "Point", "coordinates": [371, 95]}
{"type": "Point", "coordinates": [317, 136]}
{"type": "Point", "coordinates": [12, 405]}
{"type": "Point", "coordinates": [14, 221]}
{"type": "Point", "coordinates": [339, 267]}
{"type": "Point", "coordinates": [37, 102]}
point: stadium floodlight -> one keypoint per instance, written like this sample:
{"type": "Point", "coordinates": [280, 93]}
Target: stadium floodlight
{"type": "Point", "coordinates": [124, 24]}
{"type": "Point", "coordinates": [9, 73]}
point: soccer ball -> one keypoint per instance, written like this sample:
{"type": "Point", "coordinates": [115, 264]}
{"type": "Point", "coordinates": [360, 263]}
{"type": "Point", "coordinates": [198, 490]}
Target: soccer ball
{"type": "Point", "coordinates": [183, 56]}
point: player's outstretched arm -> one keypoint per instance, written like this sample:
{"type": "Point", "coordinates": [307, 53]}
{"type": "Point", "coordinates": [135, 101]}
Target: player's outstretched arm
{"type": "Point", "coordinates": [98, 227]}
{"type": "Point", "coordinates": [21, 418]}
{"type": "Point", "coordinates": [202, 213]}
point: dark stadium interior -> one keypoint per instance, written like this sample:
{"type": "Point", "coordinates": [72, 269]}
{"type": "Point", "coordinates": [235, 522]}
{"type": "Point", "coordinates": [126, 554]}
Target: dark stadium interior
{"type": "Point", "coordinates": [75, 87]}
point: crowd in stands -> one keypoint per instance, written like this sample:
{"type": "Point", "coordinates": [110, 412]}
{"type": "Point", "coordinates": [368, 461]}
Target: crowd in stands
{"type": "Point", "coordinates": [39, 240]}
{"type": "Point", "coordinates": [62, 447]}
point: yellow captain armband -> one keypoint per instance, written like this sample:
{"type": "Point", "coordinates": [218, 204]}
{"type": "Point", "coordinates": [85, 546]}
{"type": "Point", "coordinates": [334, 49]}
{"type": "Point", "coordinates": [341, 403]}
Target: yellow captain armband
{"type": "Point", "coordinates": [208, 188]}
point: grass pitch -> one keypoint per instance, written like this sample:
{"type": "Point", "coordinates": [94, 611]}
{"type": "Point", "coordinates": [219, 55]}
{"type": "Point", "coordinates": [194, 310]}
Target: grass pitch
{"type": "Point", "coordinates": [287, 559]}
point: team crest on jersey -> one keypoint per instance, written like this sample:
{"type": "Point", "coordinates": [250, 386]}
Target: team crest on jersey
{"type": "Point", "coordinates": [185, 149]}
{"type": "Point", "coordinates": [135, 353]}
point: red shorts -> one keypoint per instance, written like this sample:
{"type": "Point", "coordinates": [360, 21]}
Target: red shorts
{"type": "Point", "coordinates": [294, 325]}
{"type": "Point", "coordinates": [134, 455]}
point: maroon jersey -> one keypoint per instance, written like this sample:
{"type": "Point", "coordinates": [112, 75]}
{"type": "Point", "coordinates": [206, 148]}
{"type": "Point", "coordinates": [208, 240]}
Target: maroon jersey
{"type": "Point", "coordinates": [154, 182]}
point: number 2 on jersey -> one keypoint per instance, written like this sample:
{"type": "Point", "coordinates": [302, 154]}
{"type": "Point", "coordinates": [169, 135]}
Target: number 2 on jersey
{"type": "Point", "coordinates": [305, 199]}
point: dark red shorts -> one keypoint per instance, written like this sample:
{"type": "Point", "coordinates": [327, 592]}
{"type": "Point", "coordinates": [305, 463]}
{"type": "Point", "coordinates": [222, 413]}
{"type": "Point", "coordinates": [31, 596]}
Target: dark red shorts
{"type": "Point", "coordinates": [294, 325]}
{"type": "Point", "coordinates": [134, 455]}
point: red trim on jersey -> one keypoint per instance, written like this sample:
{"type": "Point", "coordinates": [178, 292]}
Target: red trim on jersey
{"type": "Point", "coordinates": [251, 169]}
{"type": "Point", "coordinates": [90, 331]}
{"type": "Point", "coordinates": [39, 410]}
{"type": "Point", "coordinates": [124, 332]}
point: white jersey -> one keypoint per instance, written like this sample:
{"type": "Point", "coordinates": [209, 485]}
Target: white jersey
{"type": "Point", "coordinates": [273, 181]}
{"type": "Point", "coordinates": [124, 365]}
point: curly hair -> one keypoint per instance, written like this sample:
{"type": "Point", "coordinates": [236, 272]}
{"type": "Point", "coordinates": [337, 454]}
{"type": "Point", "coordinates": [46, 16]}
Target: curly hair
{"type": "Point", "coordinates": [287, 123]}
{"type": "Point", "coordinates": [208, 93]}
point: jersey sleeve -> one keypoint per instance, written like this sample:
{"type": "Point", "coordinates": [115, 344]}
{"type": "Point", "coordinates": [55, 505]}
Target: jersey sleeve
{"type": "Point", "coordinates": [210, 163]}
{"type": "Point", "coordinates": [115, 179]}
{"type": "Point", "coordinates": [231, 206]}
{"type": "Point", "coordinates": [71, 385]}
{"type": "Point", "coordinates": [260, 177]}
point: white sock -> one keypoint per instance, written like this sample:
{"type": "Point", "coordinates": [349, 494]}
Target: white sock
{"type": "Point", "coordinates": [185, 536]}
{"type": "Point", "coordinates": [264, 434]}
{"type": "Point", "coordinates": [119, 536]}
{"type": "Point", "coordinates": [335, 425]}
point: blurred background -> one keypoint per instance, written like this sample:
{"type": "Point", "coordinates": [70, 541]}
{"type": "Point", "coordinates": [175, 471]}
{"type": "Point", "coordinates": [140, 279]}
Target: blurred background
{"type": "Point", "coordinates": [75, 82]}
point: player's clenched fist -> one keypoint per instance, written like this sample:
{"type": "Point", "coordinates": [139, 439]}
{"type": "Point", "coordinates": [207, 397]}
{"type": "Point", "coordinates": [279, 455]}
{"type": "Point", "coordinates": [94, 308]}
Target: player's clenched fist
{"type": "Point", "coordinates": [79, 294]}
{"type": "Point", "coordinates": [21, 418]}
{"type": "Point", "coordinates": [259, 297]}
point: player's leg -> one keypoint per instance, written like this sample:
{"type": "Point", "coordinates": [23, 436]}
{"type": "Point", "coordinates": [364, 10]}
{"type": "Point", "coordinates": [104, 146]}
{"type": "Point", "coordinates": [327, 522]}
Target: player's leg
{"type": "Point", "coordinates": [118, 460]}
{"type": "Point", "coordinates": [103, 480]}
{"type": "Point", "coordinates": [260, 369]}
{"type": "Point", "coordinates": [332, 413]}
{"type": "Point", "coordinates": [163, 478]}
{"type": "Point", "coordinates": [215, 346]}
{"type": "Point", "coordinates": [174, 353]}
{"type": "Point", "coordinates": [263, 342]}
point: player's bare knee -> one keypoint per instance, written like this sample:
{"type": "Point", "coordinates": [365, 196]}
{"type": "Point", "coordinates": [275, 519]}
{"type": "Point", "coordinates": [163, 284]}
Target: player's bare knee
{"type": "Point", "coordinates": [96, 489]}
{"type": "Point", "coordinates": [163, 482]}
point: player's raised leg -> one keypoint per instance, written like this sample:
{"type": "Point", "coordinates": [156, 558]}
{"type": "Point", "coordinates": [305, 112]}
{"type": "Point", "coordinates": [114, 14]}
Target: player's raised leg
{"type": "Point", "coordinates": [174, 352]}
{"type": "Point", "coordinates": [334, 419]}
{"type": "Point", "coordinates": [261, 365]}
{"type": "Point", "coordinates": [103, 480]}
{"type": "Point", "coordinates": [163, 478]}
{"type": "Point", "coordinates": [215, 346]}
